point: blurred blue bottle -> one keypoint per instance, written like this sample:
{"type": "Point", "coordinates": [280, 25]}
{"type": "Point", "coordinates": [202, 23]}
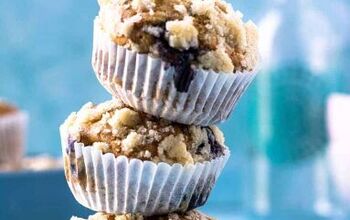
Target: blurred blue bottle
{"type": "Point", "coordinates": [305, 50]}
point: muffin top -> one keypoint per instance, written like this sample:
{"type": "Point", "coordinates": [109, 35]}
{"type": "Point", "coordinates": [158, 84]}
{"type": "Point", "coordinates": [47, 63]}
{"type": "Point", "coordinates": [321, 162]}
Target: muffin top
{"type": "Point", "coordinates": [6, 108]}
{"type": "Point", "coordinates": [208, 34]}
{"type": "Point", "coordinates": [115, 128]}
{"type": "Point", "coordinates": [190, 215]}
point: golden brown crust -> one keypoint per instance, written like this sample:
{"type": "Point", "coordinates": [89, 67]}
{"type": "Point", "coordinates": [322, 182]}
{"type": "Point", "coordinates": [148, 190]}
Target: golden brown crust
{"type": "Point", "coordinates": [114, 128]}
{"type": "Point", "coordinates": [211, 30]}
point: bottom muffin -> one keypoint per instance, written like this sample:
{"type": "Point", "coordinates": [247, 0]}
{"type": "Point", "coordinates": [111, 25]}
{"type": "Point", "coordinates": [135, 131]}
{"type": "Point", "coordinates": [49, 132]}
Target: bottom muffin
{"type": "Point", "coordinates": [190, 215]}
{"type": "Point", "coordinates": [118, 160]}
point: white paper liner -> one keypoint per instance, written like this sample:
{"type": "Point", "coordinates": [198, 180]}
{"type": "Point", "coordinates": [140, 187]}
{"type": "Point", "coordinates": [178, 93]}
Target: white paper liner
{"type": "Point", "coordinates": [105, 183]}
{"type": "Point", "coordinates": [12, 138]}
{"type": "Point", "coordinates": [145, 84]}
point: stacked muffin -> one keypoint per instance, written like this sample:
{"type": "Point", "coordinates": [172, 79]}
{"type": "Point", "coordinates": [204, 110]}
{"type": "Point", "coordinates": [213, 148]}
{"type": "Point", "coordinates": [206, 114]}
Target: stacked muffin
{"type": "Point", "coordinates": [175, 68]}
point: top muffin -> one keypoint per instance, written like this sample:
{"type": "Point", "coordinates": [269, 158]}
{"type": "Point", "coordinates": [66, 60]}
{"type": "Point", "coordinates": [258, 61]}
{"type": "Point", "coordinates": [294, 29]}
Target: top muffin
{"type": "Point", "coordinates": [207, 34]}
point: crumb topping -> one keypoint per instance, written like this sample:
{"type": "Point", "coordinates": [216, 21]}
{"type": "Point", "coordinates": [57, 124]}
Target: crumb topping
{"type": "Point", "coordinates": [182, 34]}
{"type": "Point", "coordinates": [114, 128]}
{"type": "Point", "coordinates": [190, 215]}
{"type": "Point", "coordinates": [211, 30]}
{"type": "Point", "coordinates": [181, 9]}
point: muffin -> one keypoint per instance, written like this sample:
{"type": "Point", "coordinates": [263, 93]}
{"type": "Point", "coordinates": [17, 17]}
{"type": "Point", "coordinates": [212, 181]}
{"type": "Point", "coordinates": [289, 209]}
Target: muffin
{"type": "Point", "coordinates": [12, 136]}
{"type": "Point", "coordinates": [119, 160]}
{"type": "Point", "coordinates": [190, 215]}
{"type": "Point", "coordinates": [187, 61]}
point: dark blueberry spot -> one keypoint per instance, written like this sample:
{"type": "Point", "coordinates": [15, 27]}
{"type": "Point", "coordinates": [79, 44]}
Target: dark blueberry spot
{"type": "Point", "coordinates": [70, 148]}
{"type": "Point", "coordinates": [201, 195]}
{"type": "Point", "coordinates": [197, 200]}
{"type": "Point", "coordinates": [181, 61]}
{"type": "Point", "coordinates": [71, 155]}
{"type": "Point", "coordinates": [184, 74]}
{"type": "Point", "coordinates": [199, 148]}
{"type": "Point", "coordinates": [167, 66]}
{"type": "Point", "coordinates": [73, 168]}
{"type": "Point", "coordinates": [215, 148]}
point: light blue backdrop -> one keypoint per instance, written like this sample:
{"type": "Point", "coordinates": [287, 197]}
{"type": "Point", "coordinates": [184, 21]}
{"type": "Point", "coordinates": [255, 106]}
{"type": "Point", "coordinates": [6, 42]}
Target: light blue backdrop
{"type": "Point", "coordinates": [45, 49]}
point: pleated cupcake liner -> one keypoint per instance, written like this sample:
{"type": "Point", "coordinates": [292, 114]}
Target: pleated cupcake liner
{"type": "Point", "coordinates": [12, 138]}
{"type": "Point", "coordinates": [119, 185]}
{"type": "Point", "coordinates": [148, 84]}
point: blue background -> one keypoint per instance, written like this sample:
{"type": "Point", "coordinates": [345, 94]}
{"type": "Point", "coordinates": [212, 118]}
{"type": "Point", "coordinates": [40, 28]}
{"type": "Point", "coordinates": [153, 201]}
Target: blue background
{"type": "Point", "coordinates": [45, 51]}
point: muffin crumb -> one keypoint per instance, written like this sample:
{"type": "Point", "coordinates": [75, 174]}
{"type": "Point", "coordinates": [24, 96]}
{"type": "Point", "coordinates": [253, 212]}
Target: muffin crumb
{"type": "Point", "coordinates": [174, 147]}
{"type": "Point", "coordinates": [217, 58]}
{"type": "Point", "coordinates": [182, 34]}
{"type": "Point", "coordinates": [181, 9]}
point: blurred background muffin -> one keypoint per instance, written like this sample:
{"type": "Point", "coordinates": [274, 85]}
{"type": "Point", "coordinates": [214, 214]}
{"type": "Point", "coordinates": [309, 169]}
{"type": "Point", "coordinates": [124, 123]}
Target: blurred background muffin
{"type": "Point", "coordinates": [13, 124]}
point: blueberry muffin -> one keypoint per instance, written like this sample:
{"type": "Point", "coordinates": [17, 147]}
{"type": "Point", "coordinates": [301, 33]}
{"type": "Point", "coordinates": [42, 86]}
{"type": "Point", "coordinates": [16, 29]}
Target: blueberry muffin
{"type": "Point", "coordinates": [12, 136]}
{"type": "Point", "coordinates": [119, 160]}
{"type": "Point", "coordinates": [187, 61]}
{"type": "Point", "coordinates": [115, 128]}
